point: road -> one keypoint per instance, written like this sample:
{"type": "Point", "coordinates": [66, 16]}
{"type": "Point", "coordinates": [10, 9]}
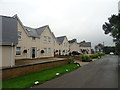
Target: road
{"type": "Point", "coordinates": [102, 73]}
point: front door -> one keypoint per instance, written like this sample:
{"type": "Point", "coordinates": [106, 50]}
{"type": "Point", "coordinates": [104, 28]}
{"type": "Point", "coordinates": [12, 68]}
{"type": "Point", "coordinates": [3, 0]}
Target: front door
{"type": "Point", "coordinates": [59, 52]}
{"type": "Point", "coordinates": [33, 52]}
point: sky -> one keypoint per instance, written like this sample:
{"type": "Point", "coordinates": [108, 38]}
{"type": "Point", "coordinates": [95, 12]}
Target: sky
{"type": "Point", "coordinates": [80, 19]}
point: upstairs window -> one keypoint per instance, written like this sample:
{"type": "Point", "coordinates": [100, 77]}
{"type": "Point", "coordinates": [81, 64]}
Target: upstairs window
{"type": "Point", "coordinates": [33, 38]}
{"type": "Point", "coordinates": [45, 38]}
{"type": "Point", "coordinates": [49, 39]}
{"type": "Point", "coordinates": [18, 50]}
{"type": "Point", "coordinates": [64, 44]}
{"type": "Point", "coordinates": [45, 49]}
{"type": "Point", "coordinates": [19, 35]}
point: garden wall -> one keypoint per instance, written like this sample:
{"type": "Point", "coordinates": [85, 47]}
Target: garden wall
{"type": "Point", "coordinates": [16, 71]}
{"type": "Point", "coordinates": [75, 57]}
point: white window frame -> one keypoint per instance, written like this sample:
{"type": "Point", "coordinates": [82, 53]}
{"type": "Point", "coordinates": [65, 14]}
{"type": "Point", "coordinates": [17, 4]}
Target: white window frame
{"type": "Point", "coordinates": [45, 49]}
{"type": "Point", "coordinates": [19, 35]}
{"type": "Point", "coordinates": [49, 50]}
{"type": "Point", "coordinates": [18, 50]}
{"type": "Point", "coordinates": [45, 38]}
{"type": "Point", "coordinates": [49, 39]}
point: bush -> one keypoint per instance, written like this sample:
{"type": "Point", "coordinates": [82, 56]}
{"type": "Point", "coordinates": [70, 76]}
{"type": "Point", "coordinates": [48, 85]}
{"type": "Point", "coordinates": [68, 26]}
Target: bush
{"type": "Point", "coordinates": [70, 60]}
{"type": "Point", "coordinates": [96, 55]}
{"type": "Point", "coordinates": [93, 56]}
{"type": "Point", "coordinates": [85, 58]}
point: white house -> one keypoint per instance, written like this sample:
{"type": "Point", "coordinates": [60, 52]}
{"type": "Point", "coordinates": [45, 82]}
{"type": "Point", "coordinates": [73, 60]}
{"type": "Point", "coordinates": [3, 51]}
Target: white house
{"type": "Point", "coordinates": [8, 40]}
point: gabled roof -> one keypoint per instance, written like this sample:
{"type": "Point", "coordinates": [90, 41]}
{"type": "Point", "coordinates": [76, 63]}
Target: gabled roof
{"type": "Point", "coordinates": [60, 39]}
{"type": "Point", "coordinates": [41, 29]}
{"type": "Point", "coordinates": [73, 43]}
{"type": "Point", "coordinates": [35, 32]}
{"type": "Point", "coordinates": [8, 30]}
{"type": "Point", "coordinates": [32, 32]}
{"type": "Point", "coordinates": [85, 44]}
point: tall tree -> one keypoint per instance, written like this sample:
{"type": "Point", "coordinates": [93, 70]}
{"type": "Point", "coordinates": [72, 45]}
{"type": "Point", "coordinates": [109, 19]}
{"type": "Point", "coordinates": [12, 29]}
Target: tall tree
{"type": "Point", "coordinates": [113, 27]}
{"type": "Point", "coordinates": [99, 47]}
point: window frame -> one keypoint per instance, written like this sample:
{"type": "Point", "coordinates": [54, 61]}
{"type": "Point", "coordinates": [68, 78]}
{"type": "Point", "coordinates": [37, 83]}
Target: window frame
{"type": "Point", "coordinates": [49, 39]}
{"type": "Point", "coordinates": [49, 50]}
{"type": "Point", "coordinates": [18, 51]}
{"type": "Point", "coordinates": [19, 35]}
{"type": "Point", "coordinates": [33, 38]}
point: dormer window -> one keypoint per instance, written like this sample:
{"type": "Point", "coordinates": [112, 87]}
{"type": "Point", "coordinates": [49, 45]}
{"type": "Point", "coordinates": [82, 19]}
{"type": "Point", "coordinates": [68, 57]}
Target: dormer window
{"type": "Point", "coordinates": [19, 35]}
{"type": "Point", "coordinates": [33, 38]}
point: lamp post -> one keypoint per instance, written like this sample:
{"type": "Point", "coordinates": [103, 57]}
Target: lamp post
{"type": "Point", "coordinates": [103, 47]}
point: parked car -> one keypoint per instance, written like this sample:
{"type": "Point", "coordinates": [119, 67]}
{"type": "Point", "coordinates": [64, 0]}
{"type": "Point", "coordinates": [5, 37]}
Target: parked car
{"type": "Point", "coordinates": [111, 53]}
{"type": "Point", "coordinates": [76, 53]}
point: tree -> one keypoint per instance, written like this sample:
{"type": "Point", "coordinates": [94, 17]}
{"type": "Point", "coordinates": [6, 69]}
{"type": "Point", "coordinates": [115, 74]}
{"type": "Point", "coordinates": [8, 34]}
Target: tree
{"type": "Point", "coordinates": [99, 47]}
{"type": "Point", "coordinates": [113, 28]}
{"type": "Point", "coordinates": [108, 49]}
{"type": "Point", "coordinates": [72, 41]}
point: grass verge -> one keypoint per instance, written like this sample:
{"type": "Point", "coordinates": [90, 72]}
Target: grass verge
{"type": "Point", "coordinates": [28, 80]}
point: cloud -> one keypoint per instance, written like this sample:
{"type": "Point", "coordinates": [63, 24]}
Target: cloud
{"type": "Point", "coordinates": [81, 19]}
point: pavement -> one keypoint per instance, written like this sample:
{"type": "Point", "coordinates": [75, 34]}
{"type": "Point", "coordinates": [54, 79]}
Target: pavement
{"type": "Point", "coordinates": [102, 73]}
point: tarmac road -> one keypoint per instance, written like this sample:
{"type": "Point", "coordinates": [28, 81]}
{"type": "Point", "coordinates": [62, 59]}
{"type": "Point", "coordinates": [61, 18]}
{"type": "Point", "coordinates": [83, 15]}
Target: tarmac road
{"type": "Point", "coordinates": [102, 73]}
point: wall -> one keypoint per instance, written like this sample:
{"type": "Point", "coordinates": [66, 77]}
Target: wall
{"type": "Point", "coordinates": [23, 43]}
{"type": "Point", "coordinates": [74, 47]}
{"type": "Point", "coordinates": [8, 73]}
{"type": "Point", "coordinates": [47, 45]}
{"type": "Point", "coordinates": [75, 57]}
{"type": "Point", "coordinates": [8, 56]}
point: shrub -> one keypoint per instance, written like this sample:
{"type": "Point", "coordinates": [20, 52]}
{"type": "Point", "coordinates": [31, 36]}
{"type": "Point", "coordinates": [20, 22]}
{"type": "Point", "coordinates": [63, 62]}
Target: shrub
{"type": "Point", "coordinates": [85, 58]}
{"type": "Point", "coordinates": [93, 56]}
{"type": "Point", "coordinates": [70, 60]}
{"type": "Point", "coordinates": [96, 55]}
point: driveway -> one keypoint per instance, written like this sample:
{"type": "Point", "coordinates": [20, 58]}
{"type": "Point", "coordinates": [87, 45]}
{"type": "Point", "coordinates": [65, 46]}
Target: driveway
{"type": "Point", "coordinates": [38, 60]}
{"type": "Point", "coordinates": [102, 73]}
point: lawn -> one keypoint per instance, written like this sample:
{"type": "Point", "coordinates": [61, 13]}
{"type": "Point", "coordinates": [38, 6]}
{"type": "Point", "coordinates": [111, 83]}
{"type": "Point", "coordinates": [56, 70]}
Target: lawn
{"type": "Point", "coordinates": [28, 80]}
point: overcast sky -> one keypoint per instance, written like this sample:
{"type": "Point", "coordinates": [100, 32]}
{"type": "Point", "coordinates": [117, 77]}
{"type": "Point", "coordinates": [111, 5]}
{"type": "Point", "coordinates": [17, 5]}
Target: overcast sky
{"type": "Point", "coordinates": [80, 19]}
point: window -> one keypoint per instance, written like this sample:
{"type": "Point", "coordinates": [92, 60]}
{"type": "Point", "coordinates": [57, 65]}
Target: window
{"type": "Point", "coordinates": [33, 38]}
{"type": "Point", "coordinates": [64, 44]}
{"type": "Point", "coordinates": [49, 50]}
{"type": "Point", "coordinates": [66, 51]}
{"type": "Point", "coordinates": [49, 39]}
{"type": "Point", "coordinates": [19, 35]}
{"type": "Point", "coordinates": [18, 50]}
{"type": "Point", "coordinates": [45, 49]}
{"type": "Point", "coordinates": [45, 38]}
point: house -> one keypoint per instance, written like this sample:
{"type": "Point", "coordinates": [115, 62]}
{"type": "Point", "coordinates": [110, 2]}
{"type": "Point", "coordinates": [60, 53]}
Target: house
{"type": "Point", "coordinates": [8, 40]}
{"type": "Point", "coordinates": [85, 47]}
{"type": "Point", "coordinates": [34, 42]}
{"type": "Point", "coordinates": [62, 46]}
{"type": "Point", "coordinates": [74, 47]}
